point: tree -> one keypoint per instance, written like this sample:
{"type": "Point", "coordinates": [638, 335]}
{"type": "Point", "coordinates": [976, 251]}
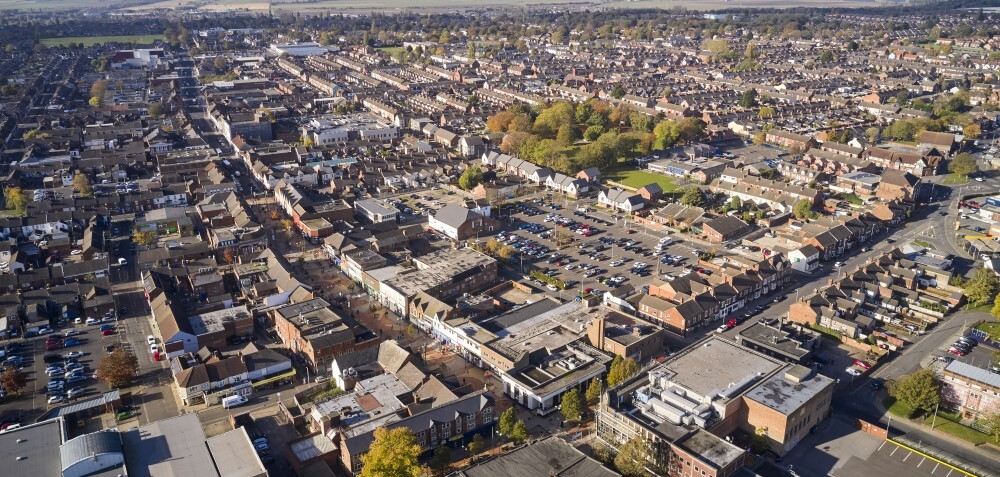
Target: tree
{"type": "Point", "coordinates": [972, 131]}
{"type": "Point", "coordinates": [963, 164]}
{"type": "Point", "coordinates": [470, 178]}
{"type": "Point", "coordinates": [98, 88]}
{"type": "Point", "coordinates": [16, 200]}
{"type": "Point", "coordinates": [572, 405]}
{"type": "Point", "coordinates": [287, 225]}
{"type": "Point", "coordinates": [566, 135]}
{"type": "Point", "coordinates": [393, 453]}
{"type": "Point", "coordinates": [118, 368]}
{"type": "Point", "coordinates": [765, 112]}
{"type": "Point", "coordinates": [95, 102]}
{"type": "Point", "coordinates": [82, 185]}
{"type": "Point", "coordinates": [902, 98]}
{"type": "Point", "coordinates": [593, 132]}
{"type": "Point", "coordinates": [692, 196]}
{"type": "Point", "coordinates": [145, 238]}
{"type": "Point", "coordinates": [758, 442]}
{"type": "Point", "coordinates": [919, 390]}
{"type": "Point", "coordinates": [872, 134]}
{"type": "Point", "coordinates": [477, 446]}
{"type": "Point", "coordinates": [633, 458]}
{"type": "Point", "coordinates": [594, 391]}
{"type": "Point", "coordinates": [155, 109]}
{"type": "Point", "coordinates": [617, 91]}
{"type": "Point", "coordinates": [749, 98]}
{"type": "Point", "coordinates": [219, 63]}
{"type": "Point", "coordinates": [440, 462]}
{"type": "Point", "coordinates": [760, 138]}
{"type": "Point", "coordinates": [803, 209]}
{"type": "Point", "coordinates": [991, 421]}
{"type": "Point", "coordinates": [507, 421]}
{"type": "Point", "coordinates": [228, 255]}
{"type": "Point", "coordinates": [519, 433]}
{"type": "Point", "coordinates": [275, 215]}
{"type": "Point", "coordinates": [621, 370]}
{"type": "Point", "coordinates": [982, 287]}
{"type": "Point", "coordinates": [13, 380]}
{"type": "Point", "coordinates": [826, 56]}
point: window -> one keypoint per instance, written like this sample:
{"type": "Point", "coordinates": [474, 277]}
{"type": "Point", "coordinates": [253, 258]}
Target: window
{"type": "Point", "coordinates": [446, 432]}
{"type": "Point", "coordinates": [470, 423]}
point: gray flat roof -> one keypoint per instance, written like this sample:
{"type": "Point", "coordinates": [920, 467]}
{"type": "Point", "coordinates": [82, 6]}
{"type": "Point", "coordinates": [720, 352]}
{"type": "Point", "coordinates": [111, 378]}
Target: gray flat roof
{"type": "Point", "coordinates": [39, 450]}
{"type": "Point", "coordinates": [171, 447]}
{"type": "Point", "coordinates": [234, 454]}
{"type": "Point", "coordinates": [549, 456]}
{"type": "Point", "coordinates": [784, 395]}
{"type": "Point", "coordinates": [714, 364]}
{"type": "Point", "coordinates": [711, 448]}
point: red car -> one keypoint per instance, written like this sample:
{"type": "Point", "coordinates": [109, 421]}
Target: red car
{"type": "Point", "coordinates": [956, 351]}
{"type": "Point", "coordinates": [108, 332]}
{"type": "Point", "coordinates": [862, 364]}
{"type": "Point", "coordinates": [53, 346]}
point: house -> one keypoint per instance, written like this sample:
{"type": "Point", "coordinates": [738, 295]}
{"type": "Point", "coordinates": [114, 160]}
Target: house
{"type": "Point", "coordinates": [459, 223]}
{"type": "Point", "coordinates": [942, 141]}
{"type": "Point", "coordinates": [724, 228]}
{"type": "Point", "coordinates": [621, 200]}
{"type": "Point", "coordinates": [590, 174]}
{"type": "Point", "coordinates": [319, 333]}
{"type": "Point", "coordinates": [805, 259]}
{"type": "Point", "coordinates": [969, 390]}
{"type": "Point", "coordinates": [650, 192]}
{"type": "Point", "coordinates": [374, 211]}
{"type": "Point", "coordinates": [471, 146]}
{"type": "Point", "coordinates": [567, 185]}
{"type": "Point", "coordinates": [898, 185]}
{"type": "Point", "coordinates": [789, 140]}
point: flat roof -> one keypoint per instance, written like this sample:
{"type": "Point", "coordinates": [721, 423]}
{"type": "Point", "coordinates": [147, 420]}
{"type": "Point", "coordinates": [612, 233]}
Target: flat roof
{"type": "Point", "coordinates": [312, 447]}
{"type": "Point", "coordinates": [39, 450]}
{"type": "Point", "coordinates": [171, 447]}
{"type": "Point", "coordinates": [233, 454]}
{"type": "Point", "coordinates": [714, 364]}
{"type": "Point", "coordinates": [786, 395]}
{"type": "Point", "coordinates": [787, 339]}
{"type": "Point", "coordinates": [214, 321]}
{"type": "Point", "coordinates": [711, 448]}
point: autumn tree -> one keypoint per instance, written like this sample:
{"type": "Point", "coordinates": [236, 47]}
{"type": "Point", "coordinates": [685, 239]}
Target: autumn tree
{"type": "Point", "coordinates": [95, 102]}
{"type": "Point", "coordinates": [228, 255]}
{"type": "Point", "coordinates": [275, 215]}
{"type": "Point", "coordinates": [287, 225]}
{"type": "Point", "coordinates": [16, 200]}
{"type": "Point", "coordinates": [145, 238]}
{"type": "Point", "coordinates": [572, 405]}
{"type": "Point", "coordinates": [972, 131]}
{"type": "Point", "coordinates": [621, 370]}
{"type": "Point", "coordinates": [118, 368]}
{"type": "Point", "coordinates": [594, 391]}
{"type": "Point", "coordinates": [393, 453]}
{"type": "Point", "coordinates": [633, 457]}
{"type": "Point", "coordinates": [82, 185]}
{"type": "Point", "coordinates": [13, 380]}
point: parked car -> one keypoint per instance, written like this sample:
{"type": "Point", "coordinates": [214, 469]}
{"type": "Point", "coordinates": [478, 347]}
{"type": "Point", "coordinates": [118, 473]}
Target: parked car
{"type": "Point", "coordinates": [107, 332]}
{"type": "Point", "coordinates": [853, 371]}
{"type": "Point", "coordinates": [73, 355]}
{"type": "Point", "coordinates": [862, 364]}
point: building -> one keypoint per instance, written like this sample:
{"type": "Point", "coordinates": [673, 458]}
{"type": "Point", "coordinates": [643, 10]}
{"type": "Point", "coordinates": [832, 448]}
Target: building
{"type": "Point", "coordinates": [724, 229]}
{"type": "Point", "coordinates": [687, 406]}
{"type": "Point", "coordinates": [621, 200]}
{"type": "Point", "coordinates": [793, 343]}
{"type": "Point", "coordinates": [549, 456]}
{"type": "Point", "coordinates": [443, 274]}
{"type": "Point", "coordinates": [374, 211]}
{"type": "Point", "coordinates": [319, 333]}
{"type": "Point", "coordinates": [625, 336]}
{"type": "Point", "coordinates": [969, 390]}
{"type": "Point", "coordinates": [459, 223]}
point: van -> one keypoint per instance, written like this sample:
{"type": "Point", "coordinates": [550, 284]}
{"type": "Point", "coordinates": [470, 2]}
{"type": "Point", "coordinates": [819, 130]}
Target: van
{"type": "Point", "coordinates": [233, 401]}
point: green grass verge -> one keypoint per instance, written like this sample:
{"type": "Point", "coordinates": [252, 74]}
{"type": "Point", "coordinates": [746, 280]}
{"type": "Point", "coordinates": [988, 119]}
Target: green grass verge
{"type": "Point", "coordinates": [948, 423]}
{"type": "Point", "coordinates": [829, 333]}
{"type": "Point", "coordinates": [992, 328]}
{"type": "Point", "coordinates": [955, 179]}
{"type": "Point", "coordinates": [898, 408]}
{"type": "Point", "coordinates": [923, 244]}
{"type": "Point", "coordinates": [392, 50]}
{"type": "Point", "coordinates": [637, 179]}
{"type": "Point", "coordinates": [93, 40]}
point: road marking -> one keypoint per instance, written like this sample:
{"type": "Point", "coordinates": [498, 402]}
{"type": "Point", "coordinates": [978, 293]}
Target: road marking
{"type": "Point", "coordinates": [907, 456]}
{"type": "Point", "coordinates": [880, 446]}
{"type": "Point", "coordinates": [921, 461]}
{"type": "Point", "coordinates": [936, 465]}
{"type": "Point", "coordinates": [893, 451]}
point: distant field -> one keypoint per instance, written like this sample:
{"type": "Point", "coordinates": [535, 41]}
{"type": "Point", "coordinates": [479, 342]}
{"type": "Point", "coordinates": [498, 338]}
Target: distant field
{"type": "Point", "coordinates": [636, 179]}
{"type": "Point", "coordinates": [93, 40]}
{"type": "Point", "coordinates": [210, 5]}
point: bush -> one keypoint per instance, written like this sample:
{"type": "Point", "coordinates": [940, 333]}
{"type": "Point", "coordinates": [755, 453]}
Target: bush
{"type": "Point", "coordinates": [541, 276]}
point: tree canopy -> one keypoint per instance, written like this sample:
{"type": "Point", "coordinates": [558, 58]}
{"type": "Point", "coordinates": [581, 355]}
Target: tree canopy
{"type": "Point", "coordinates": [470, 178]}
{"type": "Point", "coordinates": [963, 164]}
{"type": "Point", "coordinates": [118, 368]}
{"type": "Point", "coordinates": [632, 458]}
{"type": "Point", "coordinates": [982, 287]}
{"type": "Point", "coordinates": [920, 390]}
{"type": "Point", "coordinates": [572, 405]}
{"type": "Point", "coordinates": [393, 453]}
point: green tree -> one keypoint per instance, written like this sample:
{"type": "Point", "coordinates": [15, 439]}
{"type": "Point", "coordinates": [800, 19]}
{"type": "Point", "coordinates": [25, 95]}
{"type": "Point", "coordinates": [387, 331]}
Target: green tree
{"type": "Point", "coordinates": [440, 462]}
{"type": "Point", "coordinates": [633, 458]}
{"type": "Point", "coordinates": [826, 56]}
{"type": "Point", "coordinates": [470, 178]}
{"type": "Point", "coordinates": [593, 132]}
{"type": "Point", "coordinates": [95, 102]}
{"type": "Point", "coordinates": [552, 118]}
{"type": "Point", "coordinates": [155, 109]}
{"type": "Point", "coordinates": [572, 406]}
{"type": "Point", "coordinates": [566, 135]}
{"type": "Point", "coordinates": [594, 391]}
{"type": "Point", "coordinates": [872, 134]}
{"type": "Point", "coordinates": [621, 370]}
{"type": "Point", "coordinates": [16, 200]}
{"type": "Point", "coordinates": [219, 63]}
{"type": "Point", "coordinates": [145, 238]}
{"type": "Point", "coordinates": [963, 164]}
{"type": "Point", "coordinates": [765, 112]}
{"type": "Point", "coordinates": [519, 433]}
{"type": "Point", "coordinates": [476, 447]}
{"type": "Point", "coordinates": [982, 287]}
{"type": "Point", "coordinates": [749, 98]}
{"type": "Point", "coordinates": [692, 196]}
{"type": "Point", "coordinates": [991, 421]}
{"type": "Point", "coordinates": [393, 453]}
{"type": "Point", "coordinates": [507, 421]}
{"type": "Point", "coordinates": [803, 209]}
{"type": "Point", "coordinates": [617, 91]}
{"type": "Point", "coordinates": [996, 307]}
{"type": "Point", "coordinates": [902, 98]}
{"type": "Point", "coordinates": [920, 390]}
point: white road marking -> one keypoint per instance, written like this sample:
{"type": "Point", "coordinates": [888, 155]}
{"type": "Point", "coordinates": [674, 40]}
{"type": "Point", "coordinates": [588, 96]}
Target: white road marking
{"type": "Point", "coordinates": [893, 451]}
{"type": "Point", "coordinates": [907, 456]}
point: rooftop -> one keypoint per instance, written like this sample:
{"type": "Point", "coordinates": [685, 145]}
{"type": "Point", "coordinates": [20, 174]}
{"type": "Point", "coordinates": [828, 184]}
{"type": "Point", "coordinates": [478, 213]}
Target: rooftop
{"type": "Point", "coordinates": [714, 365]}
{"type": "Point", "coordinates": [711, 448]}
{"type": "Point", "coordinates": [786, 392]}
{"type": "Point", "coordinates": [30, 451]}
{"type": "Point", "coordinates": [214, 321]}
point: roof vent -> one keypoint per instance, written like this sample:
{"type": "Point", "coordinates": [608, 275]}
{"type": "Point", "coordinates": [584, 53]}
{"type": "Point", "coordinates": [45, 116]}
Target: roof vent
{"type": "Point", "coordinates": [21, 457]}
{"type": "Point", "coordinates": [21, 440]}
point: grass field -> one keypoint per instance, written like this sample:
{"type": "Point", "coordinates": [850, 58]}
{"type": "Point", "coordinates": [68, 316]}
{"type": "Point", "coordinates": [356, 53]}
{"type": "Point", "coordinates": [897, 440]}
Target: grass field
{"type": "Point", "coordinates": [93, 40]}
{"type": "Point", "coordinates": [392, 50]}
{"type": "Point", "coordinates": [991, 328]}
{"type": "Point", "coordinates": [898, 408]}
{"type": "Point", "coordinates": [948, 423]}
{"type": "Point", "coordinates": [955, 179]}
{"type": "Point", "coordinates": [636, 179]}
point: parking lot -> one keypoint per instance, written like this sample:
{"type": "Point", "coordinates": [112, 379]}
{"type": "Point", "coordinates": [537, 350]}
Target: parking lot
{"type": "Point", "coordinates": [92, 346]}
{"type": "Point", "coordinates": [590, 248]}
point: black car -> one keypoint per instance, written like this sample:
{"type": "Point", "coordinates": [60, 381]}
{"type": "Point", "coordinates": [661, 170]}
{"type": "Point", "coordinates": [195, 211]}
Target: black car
{"type": "Point", "coordinates": [878, 383]}
{"type": "Point", "coordinates": [53, 358]}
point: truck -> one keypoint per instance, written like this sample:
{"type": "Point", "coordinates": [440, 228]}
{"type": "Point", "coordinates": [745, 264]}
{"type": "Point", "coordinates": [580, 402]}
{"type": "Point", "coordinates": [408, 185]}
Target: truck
{"type": "Point", "coordinates": [233, 401]}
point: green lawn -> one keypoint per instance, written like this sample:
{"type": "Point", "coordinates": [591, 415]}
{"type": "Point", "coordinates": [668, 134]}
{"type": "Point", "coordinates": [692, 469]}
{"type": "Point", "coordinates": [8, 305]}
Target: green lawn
{"type": "Point", "coordinates": [93, 40]}
{"type": "Point", "coordinates": [992, 328]}
{"type": "Point", "coordinates": [955, 179]}
{"type": "Point", "coordinates": [898, 408]}
{"type": "Point", "coordinates": [637, 179]}
{"type": "Point", "coordinates": [392, 50]}
{"type": "Point", "coordinates": [923, 244]}
{"type": "Point", "coordinates": [945, 423]}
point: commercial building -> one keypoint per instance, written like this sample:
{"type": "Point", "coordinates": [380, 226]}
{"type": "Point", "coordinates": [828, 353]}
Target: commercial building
{"type": "Point", "coordinates": [319, 333]}
{"type": "Point", "coordinates": [969, 390]}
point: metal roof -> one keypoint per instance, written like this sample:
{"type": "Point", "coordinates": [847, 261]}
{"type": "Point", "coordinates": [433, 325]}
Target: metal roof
{"type": "Point", "coordinates": [972, 372]}
{"type": "Point", "coordinates": [87, 446]}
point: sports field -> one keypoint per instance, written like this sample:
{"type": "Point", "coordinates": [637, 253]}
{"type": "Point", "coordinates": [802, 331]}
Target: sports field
{"type": "Point", "coordinates": [93, 40]}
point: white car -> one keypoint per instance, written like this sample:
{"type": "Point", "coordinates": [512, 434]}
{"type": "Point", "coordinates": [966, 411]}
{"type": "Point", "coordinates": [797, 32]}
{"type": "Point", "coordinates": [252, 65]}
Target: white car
{"type": "Point", "coordinates": [722, 329]}
{"type": "Point", "coordinates": [838, 264]}
{"type": "Point", "coordinates": [56, 399]}
{"type": "Point", "coordinates": [73, 355]}
{"type": "Point", "coordinates": [980, 179]}
{"type": "Point", "coordinates": [76, 252]}
{"type": "Point", "coordinates": [853, 371]}
{"type": "Point", "coordinates": [72, 393]}
{"type": "Point", "coordinates": [151, 339]}
{"type": "Point", "coordinates": [552, 287]}
{"type": "Point", "coordinates": [92, 321]}
{"type": "Point", "coordinates": [153, 349]}
{"type": "Point", "coordinates": [122, 261]}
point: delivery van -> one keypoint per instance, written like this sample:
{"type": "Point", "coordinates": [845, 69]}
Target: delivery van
{"type": "Point", "coordinates": [233, 401]}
